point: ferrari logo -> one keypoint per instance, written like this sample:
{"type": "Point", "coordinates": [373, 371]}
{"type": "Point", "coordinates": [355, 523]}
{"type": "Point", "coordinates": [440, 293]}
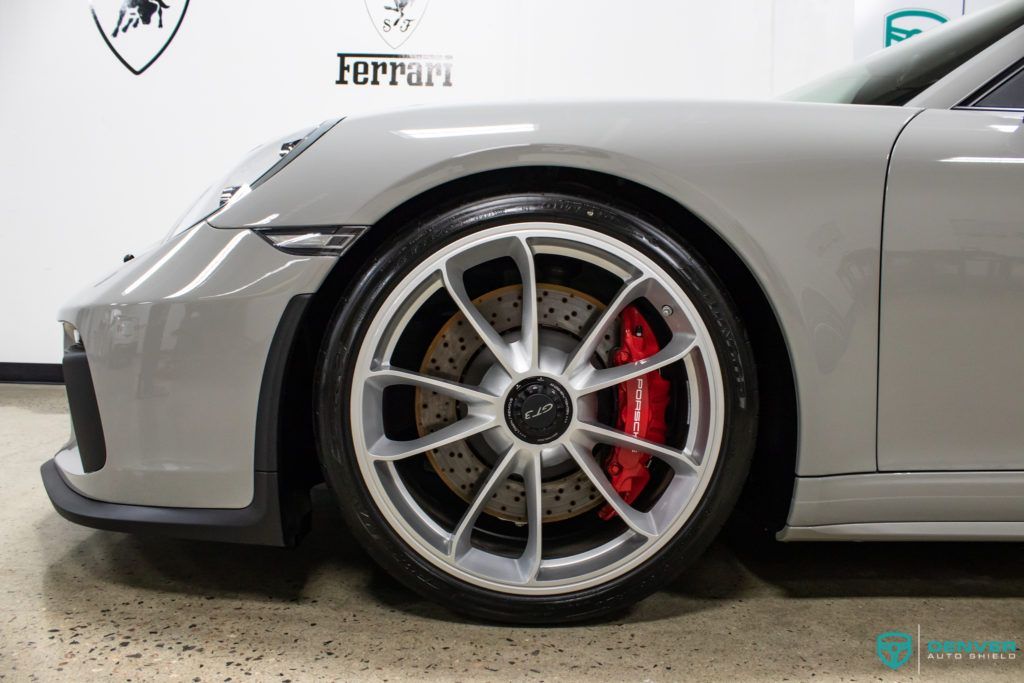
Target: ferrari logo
{"type": "Point", "coordinates": [395, 20]}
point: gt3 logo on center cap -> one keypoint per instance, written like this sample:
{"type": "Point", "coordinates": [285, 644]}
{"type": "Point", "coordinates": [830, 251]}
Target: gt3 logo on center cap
{"type": "Point", "coordinates": [538, 410]}
{"type": "Point", "coordinates": [531, 414]}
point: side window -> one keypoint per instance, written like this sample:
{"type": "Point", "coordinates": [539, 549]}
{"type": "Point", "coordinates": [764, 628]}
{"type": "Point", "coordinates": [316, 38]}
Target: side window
{"type": "Point", "coordinates": [1009, 94]}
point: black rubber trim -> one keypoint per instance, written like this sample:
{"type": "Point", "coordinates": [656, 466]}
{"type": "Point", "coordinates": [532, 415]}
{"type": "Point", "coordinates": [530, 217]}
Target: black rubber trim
{"type": "Point", "coordinates": [305, 144]}
{"type": "Point", "coordinates": [281, 410]}
{"type": "Point", "coordinates": [990, 87]}
{"type": "Point", "coordinates": [258, 524]}
{"type": "Point", "coordinates": [85, 413]}
{"type": "Point", "coordinates": [31, 373]}
{"type": "Point", "coordinates": [268, 410]}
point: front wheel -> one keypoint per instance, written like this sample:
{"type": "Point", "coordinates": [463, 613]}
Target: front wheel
{"type": "Point", "coordinates": [536, 408]}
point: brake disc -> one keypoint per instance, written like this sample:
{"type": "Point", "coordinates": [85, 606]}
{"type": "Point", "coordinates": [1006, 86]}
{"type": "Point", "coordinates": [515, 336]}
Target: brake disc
{"type": "Point", "coordinates": [562, 309]}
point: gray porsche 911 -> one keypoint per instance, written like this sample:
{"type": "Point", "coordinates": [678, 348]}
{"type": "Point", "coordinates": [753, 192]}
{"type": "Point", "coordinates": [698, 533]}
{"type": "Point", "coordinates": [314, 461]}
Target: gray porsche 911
{"type": "Point", "coordinates": [538, 351]}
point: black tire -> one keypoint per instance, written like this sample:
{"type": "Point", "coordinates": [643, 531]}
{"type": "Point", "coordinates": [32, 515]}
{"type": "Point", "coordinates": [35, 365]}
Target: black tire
{"type": "Point", "coordinates": [391, 262]}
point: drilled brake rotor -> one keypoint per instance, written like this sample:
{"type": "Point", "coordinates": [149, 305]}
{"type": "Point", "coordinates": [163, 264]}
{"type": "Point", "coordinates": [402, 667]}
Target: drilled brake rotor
{"type": "Point", "coordinates": [450, 353]}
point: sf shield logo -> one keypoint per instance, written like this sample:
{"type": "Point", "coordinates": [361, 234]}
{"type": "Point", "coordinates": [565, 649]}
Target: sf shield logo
{"type": "Point", "coordinates": [894, 648]}
{"type": "Point", "coordinates": [908, 23]}
{"type": "Point", "coordinates": [395, 20]}
{"type": "Point", "coordinates": [138, 31]}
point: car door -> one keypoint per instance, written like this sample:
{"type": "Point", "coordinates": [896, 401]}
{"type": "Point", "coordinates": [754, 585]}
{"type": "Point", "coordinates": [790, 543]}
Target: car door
{"type": "Point", "coordinates": [951, 347]}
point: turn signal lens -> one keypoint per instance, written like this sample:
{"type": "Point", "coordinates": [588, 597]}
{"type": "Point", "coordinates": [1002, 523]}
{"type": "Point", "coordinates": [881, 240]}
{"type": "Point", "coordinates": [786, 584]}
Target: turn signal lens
{"type": "Point", "coordinates": [331, 241]}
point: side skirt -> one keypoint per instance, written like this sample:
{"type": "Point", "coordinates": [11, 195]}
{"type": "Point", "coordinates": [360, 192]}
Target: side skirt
{"type": "Point", "coordinates": [908, 506]}
{"type": "Point", "coordinates": [907, 531]}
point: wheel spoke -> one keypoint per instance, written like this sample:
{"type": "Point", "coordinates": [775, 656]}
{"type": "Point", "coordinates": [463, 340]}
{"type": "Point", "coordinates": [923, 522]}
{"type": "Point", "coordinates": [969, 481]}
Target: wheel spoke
{"type": "Point", "coordinates": [680, 460]}
{"type": "Point", "coordinates": [590, 379]}
{"type": "Point", "coordinates": [460, 540]}
{"type": "Point", "coordinates": [472, 396]}
{"type": "Point", "coordinates": [627, 294]}
{"type": "Point", "coordinates": [641, 522]}
{"type": "Point", "coordinates": [529, 562]}
{"type": "Point", "coordinates": [452, 276]}
{"type": "Point", "coordinates": [529, 341]}
{"type": "Point", "coordinates": [389, 449]}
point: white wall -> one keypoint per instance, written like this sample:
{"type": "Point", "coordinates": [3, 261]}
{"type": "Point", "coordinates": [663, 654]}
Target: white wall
{"type": "Point", "coordinates": [99, 162]}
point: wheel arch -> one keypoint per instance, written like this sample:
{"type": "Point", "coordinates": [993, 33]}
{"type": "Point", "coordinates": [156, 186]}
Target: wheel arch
{"type": "Point", "coordinates": [770, 486]}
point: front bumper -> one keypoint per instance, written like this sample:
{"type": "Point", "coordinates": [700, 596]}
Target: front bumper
{"type": "Point", "coordinates": [175, 344]}
{"type": "Point", "coordinates": [259, 523]}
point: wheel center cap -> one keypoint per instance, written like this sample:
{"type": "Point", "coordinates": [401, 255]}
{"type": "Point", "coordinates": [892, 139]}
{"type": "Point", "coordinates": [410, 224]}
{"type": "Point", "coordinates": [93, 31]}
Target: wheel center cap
{"type": "Point", "coordinates": [538, 410]}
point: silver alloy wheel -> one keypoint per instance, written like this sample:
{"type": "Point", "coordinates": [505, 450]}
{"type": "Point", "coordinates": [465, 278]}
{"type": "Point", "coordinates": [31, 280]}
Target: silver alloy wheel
{"type": "Point", "coordinates": [523, 358]}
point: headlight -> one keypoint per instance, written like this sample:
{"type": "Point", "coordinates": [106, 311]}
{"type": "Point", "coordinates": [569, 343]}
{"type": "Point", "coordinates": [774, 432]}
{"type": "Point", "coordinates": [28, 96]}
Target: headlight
{"type": "Point", "coordinates": [257, 168]}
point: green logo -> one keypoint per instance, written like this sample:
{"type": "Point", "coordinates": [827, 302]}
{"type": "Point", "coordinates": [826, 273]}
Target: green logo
{"type": "Point", "coordinates": [894, 648]}
{"type": "Point", "coordinates": [907, 23]}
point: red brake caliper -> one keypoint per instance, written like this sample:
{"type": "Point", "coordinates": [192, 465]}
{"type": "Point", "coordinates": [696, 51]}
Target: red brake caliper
{"type": "Point", "coordinates": [642, 405]}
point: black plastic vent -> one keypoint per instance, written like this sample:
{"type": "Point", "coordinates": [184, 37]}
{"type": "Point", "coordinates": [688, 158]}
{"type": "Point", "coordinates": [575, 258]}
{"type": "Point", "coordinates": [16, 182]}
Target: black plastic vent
{"type": "Point", "coordinates": [85, 413]}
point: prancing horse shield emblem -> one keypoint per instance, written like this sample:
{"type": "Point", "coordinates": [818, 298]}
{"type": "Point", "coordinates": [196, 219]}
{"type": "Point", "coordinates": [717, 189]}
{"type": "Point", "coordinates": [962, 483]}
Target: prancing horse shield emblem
{"type": "Point", "coordinates": [138, 31]}
{"type": "Point", "coordinates": [395, 20]}
{"type": "Point", "coordinates": [894, 648]}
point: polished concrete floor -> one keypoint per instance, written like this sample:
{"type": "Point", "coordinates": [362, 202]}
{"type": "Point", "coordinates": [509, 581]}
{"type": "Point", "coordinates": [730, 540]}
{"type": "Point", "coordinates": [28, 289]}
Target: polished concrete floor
{"type": "Point", "coordinates": [79, 604]}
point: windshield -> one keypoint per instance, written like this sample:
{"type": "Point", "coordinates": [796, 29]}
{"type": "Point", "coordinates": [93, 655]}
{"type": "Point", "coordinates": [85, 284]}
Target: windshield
{"type": "Point", "coordinates": [896, 75]}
